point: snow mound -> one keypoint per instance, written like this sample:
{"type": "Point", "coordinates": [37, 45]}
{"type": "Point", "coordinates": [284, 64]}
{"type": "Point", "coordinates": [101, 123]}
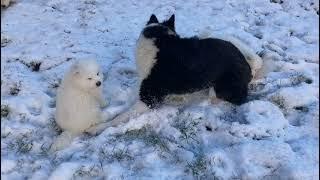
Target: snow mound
{"type": "Point", "coordinates": [260, 119]}
{"type": "Point", "coordinates": [262, 159]}
{"type": "Point", "coordinates": [291, 97]}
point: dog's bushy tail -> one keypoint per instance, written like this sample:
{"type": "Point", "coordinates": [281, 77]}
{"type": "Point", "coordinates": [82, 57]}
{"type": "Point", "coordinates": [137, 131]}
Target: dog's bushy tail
{"type": "Point", "coordinates": [255, 62]}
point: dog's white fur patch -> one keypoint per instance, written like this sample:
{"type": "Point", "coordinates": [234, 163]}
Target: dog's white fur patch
{"type": "Point", "coordinates": [152, 24]}
{"type": "Point", "coordinates": [146, 53]}
{"type": "Point", "coordinates": [79, 100]}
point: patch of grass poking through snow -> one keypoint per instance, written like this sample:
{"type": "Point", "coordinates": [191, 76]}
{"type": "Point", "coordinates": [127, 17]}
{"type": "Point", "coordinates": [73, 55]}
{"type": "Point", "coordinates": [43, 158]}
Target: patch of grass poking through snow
{"type": "Point", "coordinates": [148, 136]}
{"type": "Point", "coordinates": [5, 41]}
{"type": "Point", "coordinates": [53, 125]}
{"type": "Point", "coordinates": [22, 145]}
{"type": "Point", "coordinates": [34, 65]}
{"type": "Point", "coordinates": [84, 172]}
{"type": "Point", "coordinates": [4, 111]}
{"type": "Point", "coordinates": [116, 154]}
{"type": "Point", "coordinates": [15, 89]}
{"type": "Point", "coordinates": [55, 84]}
{"type": "Point", "coordinates": [277, 1]}
{"type": "Point", "coordinates": [187, 125]}
{"type": "Point", "coordinates": [298, 78]}
{"type": "Point", "coordinates": [198, 167]}
{"type": "Point", "coordinates": [279, 101]}
{"type": "Point", "coordinates": [120, 154]}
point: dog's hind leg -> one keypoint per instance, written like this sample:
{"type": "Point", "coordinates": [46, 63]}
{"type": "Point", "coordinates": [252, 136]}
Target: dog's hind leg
{"type": "Point", "coordinates": [232, 87]}
{"type": "Point", "coordinates": [110, 112]}
{"type": "Point", "coordinates": [137, 109]}
{"type": "Point", "coordinates": [107, 115]}
{"type": "Point", "coordinates": [97, 129]}
{"type": "Point", "coordinates": [234, 93]}
{"type": "Point", "coordinates": [255, 62]}
{"type": "Point", "coordinates": [213, 96]}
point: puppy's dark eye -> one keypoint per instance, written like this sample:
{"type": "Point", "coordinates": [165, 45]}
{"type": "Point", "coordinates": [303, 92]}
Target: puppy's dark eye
{"type": "Point", "coordinates": [98, 74]}
{"type": "Point", "coordinates": [89, 78]}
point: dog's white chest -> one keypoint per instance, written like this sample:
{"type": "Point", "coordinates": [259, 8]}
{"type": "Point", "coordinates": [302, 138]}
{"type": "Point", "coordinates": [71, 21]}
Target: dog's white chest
{"type": "Point", "coordinates": [76, 111]}
{"type": "Point", "coordinates": [146, 53]}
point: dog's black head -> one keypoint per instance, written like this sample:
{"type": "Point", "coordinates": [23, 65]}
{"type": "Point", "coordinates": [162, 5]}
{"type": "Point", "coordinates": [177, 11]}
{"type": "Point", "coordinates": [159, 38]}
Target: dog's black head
{"type": "Point", "coordinates": [155, 29]}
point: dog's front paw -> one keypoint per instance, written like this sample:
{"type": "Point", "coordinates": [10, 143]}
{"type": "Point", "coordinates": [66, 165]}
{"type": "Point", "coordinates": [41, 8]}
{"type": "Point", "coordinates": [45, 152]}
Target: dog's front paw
{"type": "Point", "coordinates": [57, 145]}
{"type": "Point", "coordinates": [97, 129]}
{"type": "Point", "coordinates": [62, 141]}
{"type": "Point", "coordinates": [103, 103]}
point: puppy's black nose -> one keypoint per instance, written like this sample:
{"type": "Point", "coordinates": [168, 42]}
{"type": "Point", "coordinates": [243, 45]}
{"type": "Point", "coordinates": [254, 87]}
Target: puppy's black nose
{"type": "Point", "coordinates": [98, 83]}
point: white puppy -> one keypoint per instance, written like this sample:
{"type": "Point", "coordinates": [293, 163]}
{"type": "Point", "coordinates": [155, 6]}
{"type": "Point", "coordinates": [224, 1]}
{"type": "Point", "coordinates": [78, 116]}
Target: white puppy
{"type": "Point", "coordinates": [79, 101]}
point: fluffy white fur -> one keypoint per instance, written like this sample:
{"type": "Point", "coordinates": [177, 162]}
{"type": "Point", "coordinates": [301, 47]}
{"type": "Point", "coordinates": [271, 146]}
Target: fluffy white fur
{"type": "Point", "coordinates": [79, 101]}
{"type": "Point", "coordinates": [146, 53]}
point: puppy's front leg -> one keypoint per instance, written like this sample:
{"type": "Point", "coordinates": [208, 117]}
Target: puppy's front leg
{"type": "Point", "coordinates": [62, 141]}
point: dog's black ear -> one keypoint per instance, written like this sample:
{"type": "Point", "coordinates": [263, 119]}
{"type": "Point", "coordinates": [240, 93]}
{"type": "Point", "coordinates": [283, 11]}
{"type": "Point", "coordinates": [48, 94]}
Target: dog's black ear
{"type": "Point", "coordinates": [170, 22]}
{"type": "Point", "coordinates": [153, 19]}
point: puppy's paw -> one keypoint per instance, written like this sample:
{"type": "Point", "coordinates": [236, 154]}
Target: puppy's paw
{"type": "Point", "coordinates": [62, 141]}
{"type": "Point", "coordinates": [97, 129]}
{"type": "Point", "coordinates": [103, 103]}
{"type": "Point", "coordinates": [56, 146]}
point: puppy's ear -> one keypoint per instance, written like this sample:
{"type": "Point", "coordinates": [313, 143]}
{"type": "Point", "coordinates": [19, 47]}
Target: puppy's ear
{"type": "Point", "coordinates": [170, 22]}
{"type": "Point", "coordinates": [153, 19]}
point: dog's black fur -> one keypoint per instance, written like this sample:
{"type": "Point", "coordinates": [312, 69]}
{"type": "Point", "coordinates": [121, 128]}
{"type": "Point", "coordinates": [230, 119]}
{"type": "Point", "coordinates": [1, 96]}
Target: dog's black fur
{"type": "Point", "coordinates": [185, 65]}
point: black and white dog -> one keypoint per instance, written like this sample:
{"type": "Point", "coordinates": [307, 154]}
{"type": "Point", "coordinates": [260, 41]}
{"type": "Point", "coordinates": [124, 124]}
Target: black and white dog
{"type": "Point", "coordinates": [168, 64]}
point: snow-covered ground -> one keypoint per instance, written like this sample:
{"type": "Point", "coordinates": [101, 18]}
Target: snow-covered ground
{"type": "Point", "coordinates": [274, 136]}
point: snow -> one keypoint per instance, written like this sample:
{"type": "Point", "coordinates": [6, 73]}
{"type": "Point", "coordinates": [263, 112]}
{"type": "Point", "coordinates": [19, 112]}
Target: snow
{"type": "Point", "coordinates": [64, 171]}
{"type": "Point", "coordinates": [273, 136]}
{"type": "Point", "coordinates": [260, 119]}
{"type": "Point", "coordinates": [7, 165]}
